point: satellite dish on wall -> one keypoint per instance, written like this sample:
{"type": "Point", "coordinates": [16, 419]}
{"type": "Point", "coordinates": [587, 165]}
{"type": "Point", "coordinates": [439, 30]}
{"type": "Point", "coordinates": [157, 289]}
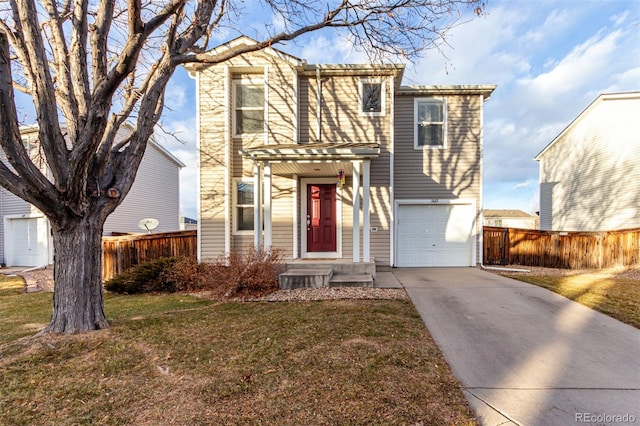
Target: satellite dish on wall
{"type": "Point", "coordinates": [148, 224]}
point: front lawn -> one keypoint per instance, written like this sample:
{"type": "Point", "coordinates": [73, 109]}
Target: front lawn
{"type": "Point", "coordinates": [611, 292]}
{"type": "Point", "coordinates": [177, 359]}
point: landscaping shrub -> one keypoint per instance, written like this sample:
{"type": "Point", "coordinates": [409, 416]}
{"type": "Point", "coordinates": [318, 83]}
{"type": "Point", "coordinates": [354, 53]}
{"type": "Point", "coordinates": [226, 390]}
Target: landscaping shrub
{"type": "Point", "coordinates": [252, 273]}
{"type": "Point", "coordinates": [147, 277]}
{"type": "Point", "coordinates": [187, 274]}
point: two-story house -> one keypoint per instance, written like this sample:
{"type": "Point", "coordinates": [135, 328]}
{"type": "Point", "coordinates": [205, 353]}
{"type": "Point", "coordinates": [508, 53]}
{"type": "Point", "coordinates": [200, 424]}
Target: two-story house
{"type": "Point", "coordinates": [337, 161]}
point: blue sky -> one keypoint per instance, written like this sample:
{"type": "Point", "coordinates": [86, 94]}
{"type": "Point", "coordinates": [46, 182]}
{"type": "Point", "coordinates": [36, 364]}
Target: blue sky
{"type": "Point", "coordinates": [550, 59]}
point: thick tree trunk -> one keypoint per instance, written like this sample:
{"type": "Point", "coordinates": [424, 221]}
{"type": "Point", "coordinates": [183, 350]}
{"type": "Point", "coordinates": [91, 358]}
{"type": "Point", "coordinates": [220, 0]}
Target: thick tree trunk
{"type": "Point", "coordinates": [77, 299]}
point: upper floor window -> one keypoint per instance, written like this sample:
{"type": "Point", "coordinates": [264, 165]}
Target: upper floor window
{"type": "Point", "coordinates": [371, 97]}
{"type": "Point", "coordinates": [248, 107]}
{"type": "Point", "coordinates": [430, 118]}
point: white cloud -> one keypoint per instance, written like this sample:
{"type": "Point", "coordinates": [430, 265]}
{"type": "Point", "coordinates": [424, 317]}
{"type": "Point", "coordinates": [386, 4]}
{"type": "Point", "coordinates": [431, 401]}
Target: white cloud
{"type": "Point", "coordinates": [526, 184]}
{"type": "Point", "coordinates": [620, 18]}
{"type": "Point", "coordinates": [175, 95]}
{"type": "Point", "coordinates": [577, 69]}
{"type": "Point", "coordinates": [327, 47]}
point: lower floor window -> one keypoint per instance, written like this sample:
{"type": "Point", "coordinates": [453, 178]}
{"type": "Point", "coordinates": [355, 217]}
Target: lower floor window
{"type": "Point", "coordinates": [244, 206]}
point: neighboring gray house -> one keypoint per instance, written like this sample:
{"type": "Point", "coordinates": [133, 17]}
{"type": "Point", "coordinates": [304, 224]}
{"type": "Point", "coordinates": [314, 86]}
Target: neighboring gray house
{"type": "Point", "coordinates": [24, 231]}
{"type": "Point", "coordinates": [284, 145]}
{"type": "Point", "coordinates": [590, 173]}
{"type": "Point", "coordinates": [510, 219]}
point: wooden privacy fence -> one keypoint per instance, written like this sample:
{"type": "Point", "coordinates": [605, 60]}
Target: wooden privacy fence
{"type": "Point", "coordinates": [123, 252]}
{"type": "Point", "coordinates": [568, 250]}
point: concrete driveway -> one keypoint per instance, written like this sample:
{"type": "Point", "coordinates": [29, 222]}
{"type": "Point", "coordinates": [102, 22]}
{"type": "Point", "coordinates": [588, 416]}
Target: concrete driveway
{"type": "Point", "coordinates": [525, 355]}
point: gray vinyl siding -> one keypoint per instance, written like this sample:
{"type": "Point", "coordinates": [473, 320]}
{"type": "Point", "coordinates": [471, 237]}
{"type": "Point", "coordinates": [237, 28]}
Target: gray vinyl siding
{"type": "Point", "coordinates": [155, 193]}
{"type": "Point", "coordinates": [11, 205]}
{"type": "Point", "coordinates": [590, 178]}
{"type": "Point", "coordinates": [450, 173]}
{"type": "Point", "coordinates": [546, 197]}
{"type": "Point", "coordinates": [380, 206]}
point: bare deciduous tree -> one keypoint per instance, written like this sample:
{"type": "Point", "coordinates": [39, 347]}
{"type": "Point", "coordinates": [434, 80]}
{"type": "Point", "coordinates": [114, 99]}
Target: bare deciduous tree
{"type": "Point", "coordinates": [89, 66]}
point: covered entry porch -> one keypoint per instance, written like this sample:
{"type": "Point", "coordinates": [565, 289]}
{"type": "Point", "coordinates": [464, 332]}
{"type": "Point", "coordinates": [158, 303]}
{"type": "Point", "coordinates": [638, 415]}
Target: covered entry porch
{"type": "Point", "coordinates": [331, 206]}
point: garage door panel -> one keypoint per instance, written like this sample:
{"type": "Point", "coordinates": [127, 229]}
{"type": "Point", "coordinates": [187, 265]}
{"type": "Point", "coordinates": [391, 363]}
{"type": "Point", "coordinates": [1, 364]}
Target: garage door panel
{"type": "Point", "coordinates": [435, 235]}
{"type": "Point", "coordinates": [27, 241]}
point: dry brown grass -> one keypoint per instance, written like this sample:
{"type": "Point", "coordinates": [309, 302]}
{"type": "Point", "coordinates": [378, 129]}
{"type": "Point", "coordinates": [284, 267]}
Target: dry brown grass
{"type": "Point", "coordinates": [180, 360]}
{"type": "Point", "coordinates": [614, 292]}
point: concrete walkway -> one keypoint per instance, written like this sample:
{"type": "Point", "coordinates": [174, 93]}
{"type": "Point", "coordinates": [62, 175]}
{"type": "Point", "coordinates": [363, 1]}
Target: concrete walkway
{"type": "Point", "coordinates": [525, 355]}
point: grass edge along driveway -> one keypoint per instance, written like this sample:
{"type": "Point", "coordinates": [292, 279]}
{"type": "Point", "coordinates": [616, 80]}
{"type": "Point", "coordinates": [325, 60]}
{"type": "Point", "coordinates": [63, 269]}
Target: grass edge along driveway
{"type": "Point", "coordinates": [614, 292]}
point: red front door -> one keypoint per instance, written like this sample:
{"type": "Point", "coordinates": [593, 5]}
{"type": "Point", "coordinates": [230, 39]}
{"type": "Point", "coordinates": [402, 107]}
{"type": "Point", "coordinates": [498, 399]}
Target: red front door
{"type": "Point", "coordinates": [321, 217]}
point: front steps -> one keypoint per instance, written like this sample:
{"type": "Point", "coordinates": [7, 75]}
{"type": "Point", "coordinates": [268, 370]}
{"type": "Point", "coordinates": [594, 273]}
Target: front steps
{"type": "Point", "coordinates": [305, 278]}
{"type": "Point", "coordinates": [327, 274]}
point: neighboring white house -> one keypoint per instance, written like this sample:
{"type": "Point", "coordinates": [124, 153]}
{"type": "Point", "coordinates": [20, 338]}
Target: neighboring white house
{"type": "Point", "coordinates": [509, 219]}
{"type": "Point", "coordinates": [590, 173]}
{"type": "Point", "coordinates": [25, 236]}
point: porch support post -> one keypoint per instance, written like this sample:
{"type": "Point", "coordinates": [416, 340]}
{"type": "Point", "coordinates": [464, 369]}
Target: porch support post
{"type": "Point", "coordinates": [365, 211]}
{"type": "Point", "coordinates": [267, 205]}
{"type": "Point", "coordinates": [257, 223]}
{"type": "Point", "coordinates": [356, 211]}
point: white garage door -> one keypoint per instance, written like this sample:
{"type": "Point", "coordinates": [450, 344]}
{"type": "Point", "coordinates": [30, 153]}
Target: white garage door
{"type": "Point", "coordinates": [27, 242]}
{"type": "Point", "coordinates": [435, 235]}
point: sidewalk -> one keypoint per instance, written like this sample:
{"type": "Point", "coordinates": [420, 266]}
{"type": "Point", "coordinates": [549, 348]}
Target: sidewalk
{"type": "Point", "coordinates": [525, 355]}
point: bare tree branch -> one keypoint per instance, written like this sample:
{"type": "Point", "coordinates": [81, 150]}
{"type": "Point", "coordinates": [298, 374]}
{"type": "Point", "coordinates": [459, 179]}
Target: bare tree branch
{"type": "Point", "coordinates": [45, 102]}
{"type": "Point", "coordinates": [78, 62]}
{"type": "Point", "coordinates": [29, 180]}
{"type": "Point", "coordinates": [65, 92]}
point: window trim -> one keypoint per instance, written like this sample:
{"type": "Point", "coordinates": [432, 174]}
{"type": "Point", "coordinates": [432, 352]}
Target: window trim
{"type": "Point", "coordinates": [247, 81]}
{"type": "Point", "coordinates": [361, 84]}
{"type": "Point", "coordinates": [443, 102]}
{"type": "Point", "coordinates": [235, 205]}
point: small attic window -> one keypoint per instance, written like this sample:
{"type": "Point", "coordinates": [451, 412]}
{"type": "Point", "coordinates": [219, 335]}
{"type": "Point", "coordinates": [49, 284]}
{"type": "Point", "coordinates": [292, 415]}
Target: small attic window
{"type": "Point", "coordinates": [371, 97]}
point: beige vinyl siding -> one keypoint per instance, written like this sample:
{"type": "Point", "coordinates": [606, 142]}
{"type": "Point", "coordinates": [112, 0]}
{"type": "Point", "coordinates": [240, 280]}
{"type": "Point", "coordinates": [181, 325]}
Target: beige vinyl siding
{"type": "Point", "coordinates": [282, 214]}
{"type": "Point", "coordinates": [341, 122]}
{"type": "Point", "coordinates": [450, 173]}
{"type": "Point", "coordinates": [282, 103]}
{"type": "Point", "coordinates": [340, 119]}
{"type": "Point", "coordinates": [212, 168]}
{"type": "Point", "coordinates": [347, 219]}
{"type": "Point", "coordinates": [280, 114]}
{"type": "Point", "coordinates": [590, 178]}
{"type": "Point", "coordinates": [279, 83]}
{"type": "Point", "coordinates": [307, 118]}
{"type": "Point", "coordinates": [155, 193]}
